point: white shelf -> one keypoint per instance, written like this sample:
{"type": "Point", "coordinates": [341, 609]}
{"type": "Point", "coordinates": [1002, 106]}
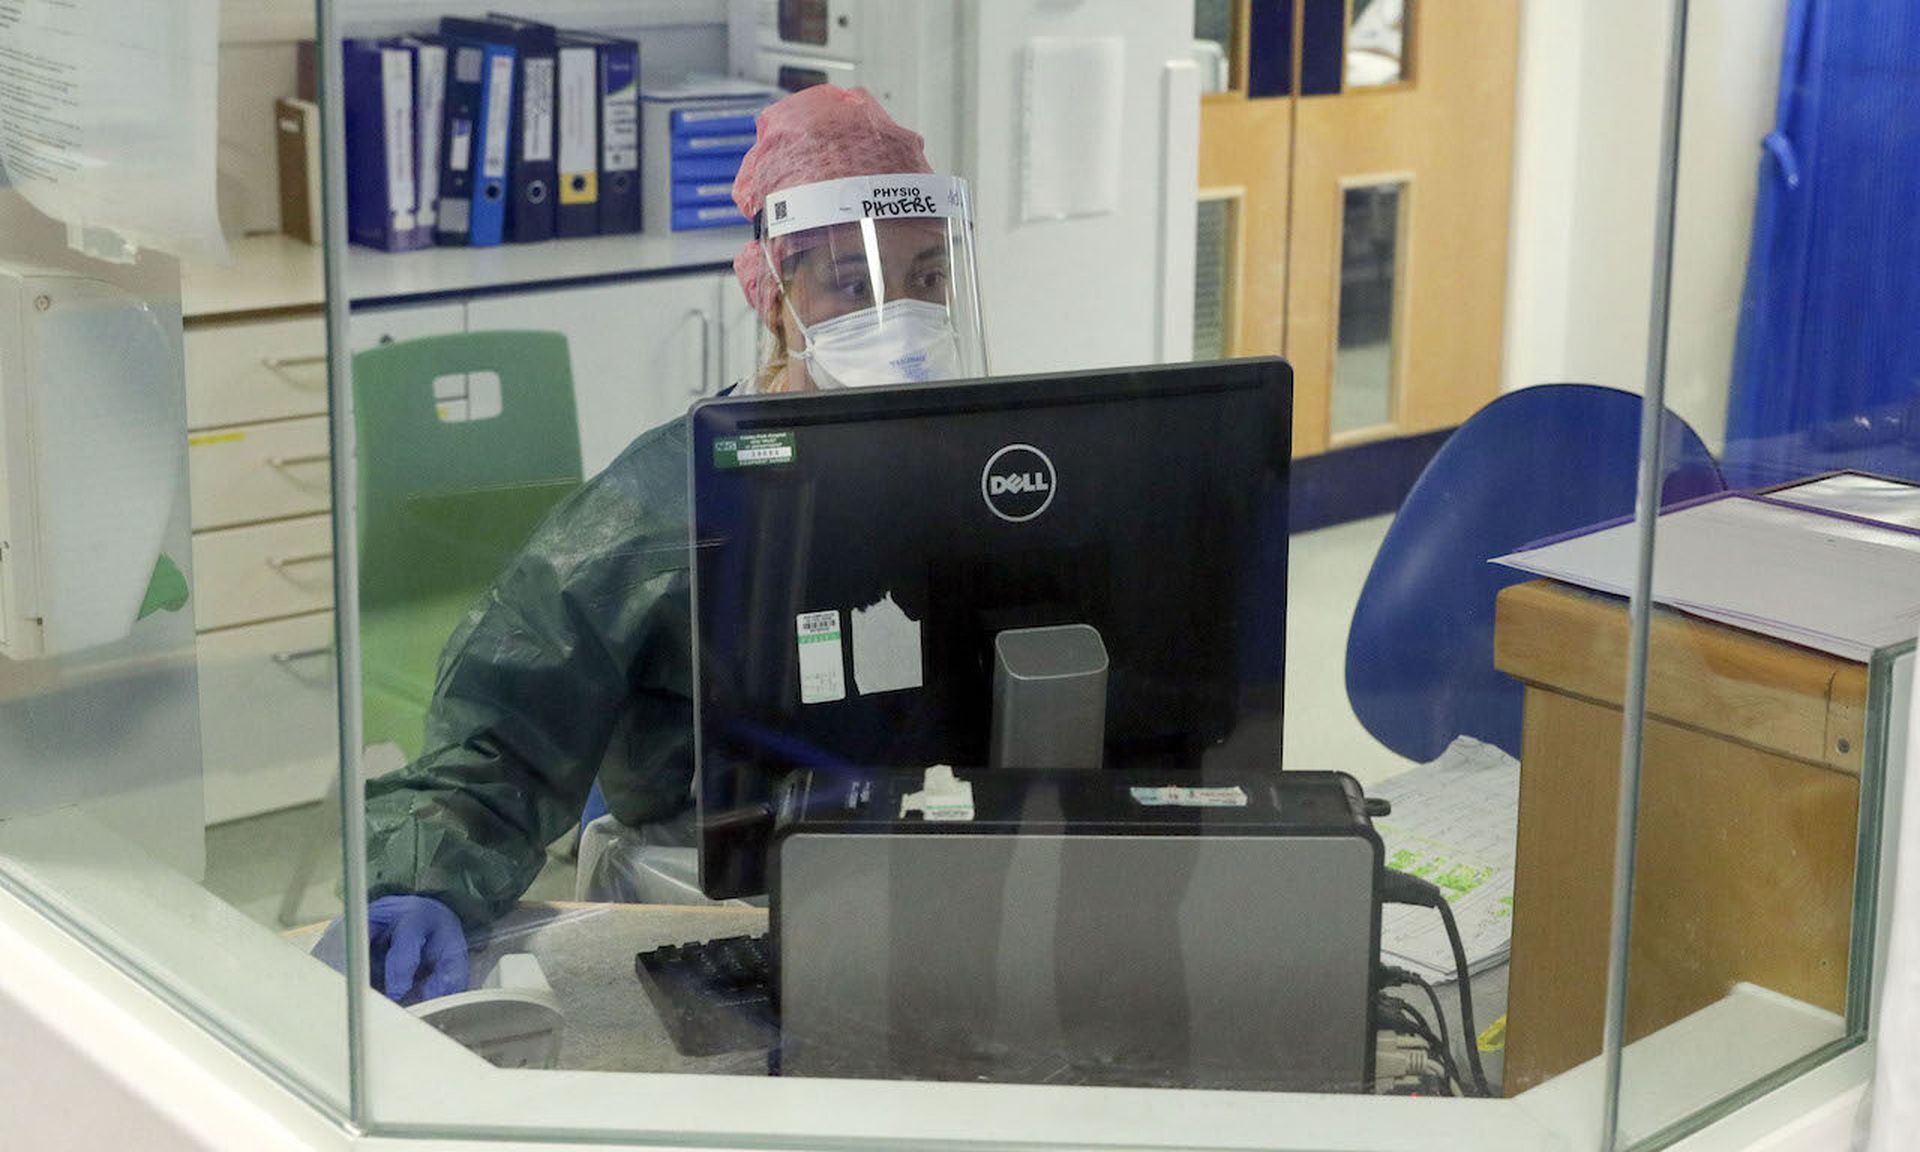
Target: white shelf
{"type": "Point", "coordinates": [274, 274]}
{"type": "Point", "coordinates": [378, 278]}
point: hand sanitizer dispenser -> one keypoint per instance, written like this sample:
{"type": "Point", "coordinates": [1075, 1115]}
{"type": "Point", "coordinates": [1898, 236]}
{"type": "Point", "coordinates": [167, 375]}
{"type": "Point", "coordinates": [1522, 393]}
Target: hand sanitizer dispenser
{"type": "Point", "coordinates": [92, 444]}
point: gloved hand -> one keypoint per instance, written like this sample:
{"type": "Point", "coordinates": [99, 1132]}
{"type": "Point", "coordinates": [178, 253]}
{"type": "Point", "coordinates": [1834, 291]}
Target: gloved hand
{"type": "Point", "coordinates": [419, 948]}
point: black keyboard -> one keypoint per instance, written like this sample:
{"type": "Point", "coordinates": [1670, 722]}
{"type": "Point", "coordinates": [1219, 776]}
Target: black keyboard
{"type": "Point", "coordinates": [714, 996]}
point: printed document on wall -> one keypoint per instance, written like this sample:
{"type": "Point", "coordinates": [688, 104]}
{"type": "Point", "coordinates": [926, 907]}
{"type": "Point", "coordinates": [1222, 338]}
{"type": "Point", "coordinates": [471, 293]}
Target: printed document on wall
{"type": "Point", "coordinates": [1072, 136]}
{"type": "Point", "coordinates": [108, 120]}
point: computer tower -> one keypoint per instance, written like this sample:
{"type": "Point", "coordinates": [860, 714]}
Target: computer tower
{"type": "Point", "coordinates": [1089, 927]}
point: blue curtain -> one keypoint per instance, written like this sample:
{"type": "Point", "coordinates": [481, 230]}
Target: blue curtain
{"type": "Point", "coordinates": [1830, 319]}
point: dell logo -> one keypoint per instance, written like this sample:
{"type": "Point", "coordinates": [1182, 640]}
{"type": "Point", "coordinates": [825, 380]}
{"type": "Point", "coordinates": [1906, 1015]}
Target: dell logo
{"type": "Point", "coordinates": [1018, 482]}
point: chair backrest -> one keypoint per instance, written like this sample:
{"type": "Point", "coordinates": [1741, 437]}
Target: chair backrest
{"type": "Point", "coordinates": [1533, 463]}
{"type": "Point", "coordinates": [464, 443]}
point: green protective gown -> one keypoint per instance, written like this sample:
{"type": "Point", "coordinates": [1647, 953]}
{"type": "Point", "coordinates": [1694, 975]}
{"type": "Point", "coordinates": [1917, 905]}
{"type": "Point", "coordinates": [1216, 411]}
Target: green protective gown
{"type": "Point", "coordinates": [577, 662]}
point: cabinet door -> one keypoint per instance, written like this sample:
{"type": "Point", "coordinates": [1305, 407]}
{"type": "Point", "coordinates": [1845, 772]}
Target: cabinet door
{"type": "Point", "coordinates": [267, 715]}
{"type": "Point", "coordinates": [369, 329]}
{"type": "Point", "coordinates": [641, 351]}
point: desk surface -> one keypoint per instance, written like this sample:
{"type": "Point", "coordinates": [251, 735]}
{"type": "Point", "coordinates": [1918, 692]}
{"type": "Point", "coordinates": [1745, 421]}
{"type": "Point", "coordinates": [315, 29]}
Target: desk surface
{"type": "Point", "coordinates": [586, 952]}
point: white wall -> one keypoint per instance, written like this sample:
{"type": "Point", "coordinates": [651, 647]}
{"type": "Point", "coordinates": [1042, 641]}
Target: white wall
{"type": "Point", "coordinates": [1586, 166]}
{"type": "Point", "coordinates": [1733, 68]}
{"type": "Point", "coordinates": [1089, 291]}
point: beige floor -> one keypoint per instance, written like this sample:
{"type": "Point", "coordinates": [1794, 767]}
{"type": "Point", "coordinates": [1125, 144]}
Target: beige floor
{"type": "Point", "coordinates": [250, 862]}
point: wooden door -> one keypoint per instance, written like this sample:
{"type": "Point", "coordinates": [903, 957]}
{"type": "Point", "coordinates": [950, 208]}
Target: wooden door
{"type": "Point", "coordinates": [1400, 192]}
{"type": "Point", "coordinates": [1246, 156]}
{"type": "Point", "coordinates": [1368, 178]}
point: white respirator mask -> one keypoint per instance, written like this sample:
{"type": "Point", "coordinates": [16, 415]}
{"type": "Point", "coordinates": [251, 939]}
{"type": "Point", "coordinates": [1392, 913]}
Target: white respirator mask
{"type": "Point", "coordinates": [902, 342]}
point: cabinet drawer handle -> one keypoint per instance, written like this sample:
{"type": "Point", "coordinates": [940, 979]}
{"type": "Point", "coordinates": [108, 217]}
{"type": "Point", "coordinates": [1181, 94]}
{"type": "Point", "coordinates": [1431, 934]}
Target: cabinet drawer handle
{"type": "Point", "coordinates": [279, 563]}
{"type": "Point", "coordinates": [285, 658]}
{"type": "Point", "coordinates": [279, 363]}
{"type": "Point", "coordinates": [294, 461]}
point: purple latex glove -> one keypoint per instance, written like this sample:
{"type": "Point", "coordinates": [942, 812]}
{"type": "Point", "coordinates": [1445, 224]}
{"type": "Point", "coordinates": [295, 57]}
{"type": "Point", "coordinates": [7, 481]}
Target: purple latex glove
{"type": "Point", "coordinates": [419, 948]}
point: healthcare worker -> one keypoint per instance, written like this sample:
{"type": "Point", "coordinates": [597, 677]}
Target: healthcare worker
{"type": "Point", "coordinates": [578, 662]}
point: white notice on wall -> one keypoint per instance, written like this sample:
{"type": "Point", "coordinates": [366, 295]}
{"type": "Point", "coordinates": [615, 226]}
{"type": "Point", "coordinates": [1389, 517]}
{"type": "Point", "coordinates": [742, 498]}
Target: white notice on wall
{"type": "Point", "coordinates": [108, 120]}
{"type": "Point", "coordinates": [1071, 137]}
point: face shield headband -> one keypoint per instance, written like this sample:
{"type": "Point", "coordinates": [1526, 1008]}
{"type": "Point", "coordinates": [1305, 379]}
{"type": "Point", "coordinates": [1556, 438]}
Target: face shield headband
{"type": "Point", "coordinates": [877, 274]}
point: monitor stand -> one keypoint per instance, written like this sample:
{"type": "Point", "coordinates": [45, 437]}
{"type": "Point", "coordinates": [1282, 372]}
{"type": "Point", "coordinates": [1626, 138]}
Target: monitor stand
{"type": "Point", "coordinates": [1049, 698]}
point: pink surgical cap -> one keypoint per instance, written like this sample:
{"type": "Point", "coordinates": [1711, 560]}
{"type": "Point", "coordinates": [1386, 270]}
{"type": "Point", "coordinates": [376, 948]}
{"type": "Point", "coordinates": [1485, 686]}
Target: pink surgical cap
{"type": "Point", "coordinates": [819, 133]}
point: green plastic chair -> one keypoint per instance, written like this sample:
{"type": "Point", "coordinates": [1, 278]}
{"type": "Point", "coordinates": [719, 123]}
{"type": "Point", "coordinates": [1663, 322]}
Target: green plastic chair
{"type": "Point", "coordinates": [451, 484]}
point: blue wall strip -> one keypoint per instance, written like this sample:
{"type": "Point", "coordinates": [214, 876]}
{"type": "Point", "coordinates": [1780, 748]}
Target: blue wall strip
{"type": "Point", "coordinates": [1355, 483]}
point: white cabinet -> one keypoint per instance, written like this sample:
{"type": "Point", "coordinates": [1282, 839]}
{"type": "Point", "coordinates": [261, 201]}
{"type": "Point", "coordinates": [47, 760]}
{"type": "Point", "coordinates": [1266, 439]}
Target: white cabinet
{"type": "Point", "coordinates": [263, 546]}
{"type": "Point", "coordinates": [256, 370]}
{"type": "Point", "coordinates": [641, 350]}
{"type": "Point", "coordinates": [369, 328]}
{"type": "Point", "coordinates": [268, 725]}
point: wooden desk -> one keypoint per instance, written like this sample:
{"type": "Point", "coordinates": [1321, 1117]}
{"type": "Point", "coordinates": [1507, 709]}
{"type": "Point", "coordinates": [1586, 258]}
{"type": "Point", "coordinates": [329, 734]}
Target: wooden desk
{"type": "Point", "coordinates": [1749, 812]}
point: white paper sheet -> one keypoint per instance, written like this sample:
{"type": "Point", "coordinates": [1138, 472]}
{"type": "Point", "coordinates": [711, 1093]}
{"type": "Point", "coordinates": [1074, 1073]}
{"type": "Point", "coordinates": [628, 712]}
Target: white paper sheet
{"type": "Point", "coordinates": [108, 120]}
{"type": "Point", "coordinates": [1796, 573]}
{"type": "Point", "coordinates": [886, 648]}
{"type": "Point", "coordinates": [1071, 137]}
{"type": "Point", "coordinates": [1888, 501]}
{"type": "Point", "coordinates": [1453, 825]}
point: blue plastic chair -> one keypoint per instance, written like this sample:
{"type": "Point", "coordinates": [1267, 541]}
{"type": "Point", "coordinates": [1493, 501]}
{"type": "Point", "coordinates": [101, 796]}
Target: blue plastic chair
{"type": "Point", "coordinates": [1532, 464]}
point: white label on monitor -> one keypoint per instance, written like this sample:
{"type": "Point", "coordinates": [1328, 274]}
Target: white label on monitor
{"type": "Point", "coordinates": [886, 648]}
{"type": "Point", "coordinates": [822, 667]}
{"type": "Point", "coordinates": [1178, 796]}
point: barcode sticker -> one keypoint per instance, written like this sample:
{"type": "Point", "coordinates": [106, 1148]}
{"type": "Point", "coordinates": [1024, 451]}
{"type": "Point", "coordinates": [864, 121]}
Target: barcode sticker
{"type": "Point", "coordinates": [822, 665]}
{"type": "Point", "coordinates": [1178, 796]}
{"type": "Point", "coordinates": [753, 449]}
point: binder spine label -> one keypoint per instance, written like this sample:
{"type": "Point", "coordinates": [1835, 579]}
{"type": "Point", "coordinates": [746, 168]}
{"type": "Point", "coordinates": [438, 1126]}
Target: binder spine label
{"type": "Point", "coordinates": [432, 63]}
{"type": "Point", "coordinates": [455, 215]}
{"type": "Point", "coordinates": [537, 111]}
{"type": "Point", "coordinates": [397, 80]}
{"type": "Point", "coordinates": [460, 145]}
{"type": "Point", "coordinates": [620, 119]}
{"type": "Point", "coordinates": [579, 172]}
{"type": "Point", "coordinates": [493, 165]}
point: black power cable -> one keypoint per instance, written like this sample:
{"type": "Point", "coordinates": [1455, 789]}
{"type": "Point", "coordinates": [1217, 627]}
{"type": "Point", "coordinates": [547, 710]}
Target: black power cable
{"type": "Point", "coordinates": [1400, 888]}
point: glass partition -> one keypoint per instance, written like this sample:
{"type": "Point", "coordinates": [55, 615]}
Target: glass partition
{"type": "Point", "coordinates": [720, 759]}
{"type": "Point", "coordinates": [847, 744]}
{"type": "Point", "coordinates": [1757, 864]}
{"type": "Point", "coordinates": [167, 714]}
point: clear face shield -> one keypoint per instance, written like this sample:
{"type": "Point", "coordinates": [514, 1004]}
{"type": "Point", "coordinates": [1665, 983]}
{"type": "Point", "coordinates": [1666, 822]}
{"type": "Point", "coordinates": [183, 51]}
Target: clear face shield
{"type": "Point", "coordinates": [877, 275]}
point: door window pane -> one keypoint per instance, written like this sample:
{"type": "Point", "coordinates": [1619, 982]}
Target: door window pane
{"type": "Point", "coordinates": [1363, 374]}
{"type": "Point", "coordinates": [1213, 279]}
{"type": "Point", "coordinates": [1377, 43]}
{"type": "Point", "coordinates": [1213, 43]}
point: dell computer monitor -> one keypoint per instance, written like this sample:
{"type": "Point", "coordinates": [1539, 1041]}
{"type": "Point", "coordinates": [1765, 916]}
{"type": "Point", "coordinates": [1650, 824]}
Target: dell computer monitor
{"type": "Point", "coordinates": [857, 552]}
